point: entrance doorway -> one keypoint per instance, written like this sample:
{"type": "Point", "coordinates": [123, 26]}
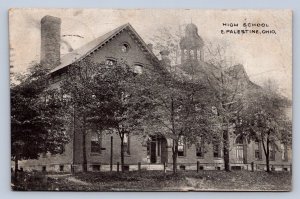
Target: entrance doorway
{"type": "Point", "coordinates": [157, 149]}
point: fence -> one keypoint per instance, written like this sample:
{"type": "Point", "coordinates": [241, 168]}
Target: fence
{"type": "Point", "coordinates": [196, 166]}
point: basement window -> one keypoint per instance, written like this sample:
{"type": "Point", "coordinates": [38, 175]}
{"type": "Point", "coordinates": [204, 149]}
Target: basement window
{"type": "Point", "coordinates": [96, 167]}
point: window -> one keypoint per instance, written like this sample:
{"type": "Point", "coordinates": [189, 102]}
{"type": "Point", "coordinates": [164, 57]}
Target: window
{"type": "Point", "coordinates": [61, 149]}
{"type": "Point", "coordinates": [96, 139]}
{"type": "Point", "coordinates": [182, 167]}
{"type": "Point", "coordinates": [61, 167]}
{"type": "Point", "coordinates": [44, 169]}
{"type": "Point", "coordinates": [200, 149]}
{"type": "Point", "coordinates": [272, 152]}
{"type": "Point", "coordinates": [44, 155]}
{"type": "Point", "coordinates": [96, 167]}
{"type": "Point", "coordinates": [148, 147]}
{"type": "Point", "coordinates": [257, 150]}
{"type": "Point", "coordinates": [138, 69]}
{"type": "Point", "coordinates": [284, 155]}
{"type": "Point", "coordinates": [217, 150]}
{"type": "Point", "coordinates": [272, 155]}
{"type": "Point", "coordinates": [127, 143]}
{"type": "Point", "coordinates": [110, 62]}
{"type": "Point", "coordinates": [125, 47]}
{"type": "Point", "coordinates": [158, 147]}
{"type": "Point", "coordinates": [257, 155]}
{"type": "Point", "coordinates": [214, 110]}
{"type": "Point", "coordinates": [66, 98]}
{"type": "Point", "coordinates": [181, 146]}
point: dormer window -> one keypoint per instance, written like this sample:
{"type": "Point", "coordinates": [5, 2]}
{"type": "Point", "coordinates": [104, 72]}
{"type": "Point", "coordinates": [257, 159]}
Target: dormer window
{"type": "Point", "coordinates": [125, 47]}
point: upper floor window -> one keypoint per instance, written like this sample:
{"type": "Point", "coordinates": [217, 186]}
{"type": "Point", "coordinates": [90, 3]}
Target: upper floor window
{"type": "Point", "coordinates": [110, 62]}
{"type": "Point", "coordinates": [125, 47]}
{"type": "Point", "coordinates": [138, 69]}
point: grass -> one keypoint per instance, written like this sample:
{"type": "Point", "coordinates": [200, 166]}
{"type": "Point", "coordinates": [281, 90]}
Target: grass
{"type": "Point", "coordinates": [158, 181]}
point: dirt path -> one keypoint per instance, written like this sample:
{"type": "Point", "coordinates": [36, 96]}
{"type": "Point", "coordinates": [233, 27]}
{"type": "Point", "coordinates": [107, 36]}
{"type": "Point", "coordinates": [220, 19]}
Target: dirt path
{"type": "Point", "coordinates": [76, 181]}
{"type": "Point", "coordinates": [70, 178]}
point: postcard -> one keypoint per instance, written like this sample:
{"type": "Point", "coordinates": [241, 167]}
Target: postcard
{"type": "Point", "coordinates": [151, 99]}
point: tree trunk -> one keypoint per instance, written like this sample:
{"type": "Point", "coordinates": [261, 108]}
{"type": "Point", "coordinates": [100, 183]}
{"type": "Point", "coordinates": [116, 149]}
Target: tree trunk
{"type": "Point", "coordinates": [268, 157]}
{"type": "Point", "coordinates": [122, 153]}
{"type": "Point", "coordinates": [226, 150]}
{"type": "Point", "coordinates": [175, 142]}
{"type": "Point", "coordinates": [84, 158]}
{"type": "Point", "coordinates": [268, 163]}
{"type": "Point", "coordinates": [174, 155]}
{"type": "Point", "coordinates": [266, 152]}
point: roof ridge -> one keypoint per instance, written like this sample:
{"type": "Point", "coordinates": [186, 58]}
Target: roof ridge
{"type": "Point", "coordinates": [87, 48]}
{"type": "Point", "coordinates": [93, 45]}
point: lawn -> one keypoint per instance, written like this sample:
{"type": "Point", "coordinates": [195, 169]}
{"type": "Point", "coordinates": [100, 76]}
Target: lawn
{"type": "Point", "coordinates": [158, 181]}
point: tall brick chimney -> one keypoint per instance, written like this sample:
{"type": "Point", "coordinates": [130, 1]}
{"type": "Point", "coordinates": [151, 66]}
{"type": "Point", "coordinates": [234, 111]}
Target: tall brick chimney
{"type": "Point", "coordinates": [50, 41]}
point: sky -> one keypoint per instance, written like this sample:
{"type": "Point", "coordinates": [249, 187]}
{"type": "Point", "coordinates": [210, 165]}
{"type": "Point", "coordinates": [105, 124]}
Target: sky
{"type": "Point", "coordinates": [264, 56]}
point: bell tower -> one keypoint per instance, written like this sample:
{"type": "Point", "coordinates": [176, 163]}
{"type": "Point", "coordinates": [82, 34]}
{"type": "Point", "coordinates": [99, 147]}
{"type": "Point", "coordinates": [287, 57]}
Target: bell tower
{"type": "Point", "coordinates": [191, 45]}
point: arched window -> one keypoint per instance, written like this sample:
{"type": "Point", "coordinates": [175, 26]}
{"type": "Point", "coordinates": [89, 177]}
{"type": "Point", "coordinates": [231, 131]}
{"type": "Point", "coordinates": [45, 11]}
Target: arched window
{"type": "Point", "coordinates": [138, 68]}
{"type": "Point", "coordinates": [110, 62]}
{"type": "Point", "coordinates": [125, 47]}
{"type": "Point", "coordinates": [239, 140]}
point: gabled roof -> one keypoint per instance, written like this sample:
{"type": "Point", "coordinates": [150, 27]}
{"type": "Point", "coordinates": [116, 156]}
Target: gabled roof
{"type": "Point", "coordinates": [99, 42]}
